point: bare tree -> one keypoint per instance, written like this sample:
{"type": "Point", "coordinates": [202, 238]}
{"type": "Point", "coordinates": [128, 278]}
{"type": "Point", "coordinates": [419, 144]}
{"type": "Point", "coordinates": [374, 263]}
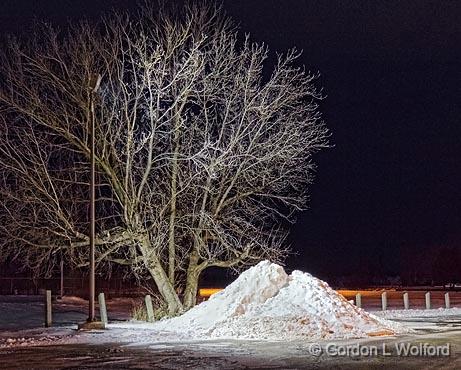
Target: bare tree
{"type": "Point", "coordinates": [201, 152]}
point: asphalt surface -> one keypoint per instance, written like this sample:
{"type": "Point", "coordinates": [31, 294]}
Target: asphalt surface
{"type": "Point", "coordinates": [431, 332]}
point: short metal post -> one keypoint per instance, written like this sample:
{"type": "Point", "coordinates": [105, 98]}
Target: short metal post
{"type": "Point", "coordinates": [149, 308]}
{"type": "Point", "coordinates": [358, 300]}
{"type": "Point", "coordinates": [102, 308]}
{"type": "Point", "coordinates": [384, 301]}
{"type": "Point", "coordinates": [447, 300]}
{"type": "Point", "coordinates": [406, 301]}
{"type": "Point", "coordinates": [428, 300]}
{"type": "Point", "coordinates": [48, 320]}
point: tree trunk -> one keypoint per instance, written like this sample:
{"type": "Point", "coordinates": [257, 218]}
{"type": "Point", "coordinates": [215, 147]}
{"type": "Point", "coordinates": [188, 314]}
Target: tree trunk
{"type": "Point", "coordinates": [164, 286]}
{"type": "Point", "coordinates": [190, 293]}
{"type": "Point", "coordinates": [193, 275]}
{"type": "Point", "coordinates": [171, 236]}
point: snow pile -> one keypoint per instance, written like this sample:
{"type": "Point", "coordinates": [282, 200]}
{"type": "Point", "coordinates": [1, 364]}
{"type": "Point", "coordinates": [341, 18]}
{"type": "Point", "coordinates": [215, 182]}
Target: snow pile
{"type": "Point", "coordinates": [253, 287]}
{"type": "Point", "coordinates": [266, 303]}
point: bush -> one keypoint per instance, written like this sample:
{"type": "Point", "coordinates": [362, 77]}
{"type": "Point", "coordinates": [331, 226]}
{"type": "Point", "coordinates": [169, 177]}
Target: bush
{"type": "Point", "coordinates": [139, 311]}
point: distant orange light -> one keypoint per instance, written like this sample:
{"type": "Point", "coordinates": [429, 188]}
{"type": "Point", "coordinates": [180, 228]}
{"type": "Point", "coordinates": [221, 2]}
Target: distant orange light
{"type": "Point", "coordinates": [348, 294]}
{"type": "Point", "coordinates": [207, 292]}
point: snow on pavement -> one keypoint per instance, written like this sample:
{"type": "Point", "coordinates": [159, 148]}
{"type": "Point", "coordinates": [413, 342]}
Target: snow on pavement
{"type": "Point", "coordinates": [426, 313]}
{"type": "Point", "coordinates": [263, 303]}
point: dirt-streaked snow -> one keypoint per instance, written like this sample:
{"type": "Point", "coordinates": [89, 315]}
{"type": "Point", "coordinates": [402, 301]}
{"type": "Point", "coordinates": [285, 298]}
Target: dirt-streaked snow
{"type": "Point", "coordinates": [267, 304]}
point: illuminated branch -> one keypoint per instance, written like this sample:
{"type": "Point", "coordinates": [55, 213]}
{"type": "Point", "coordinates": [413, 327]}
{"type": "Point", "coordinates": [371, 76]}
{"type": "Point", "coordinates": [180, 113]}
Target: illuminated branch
{"type": "Point", "coordinates": [200, 154]}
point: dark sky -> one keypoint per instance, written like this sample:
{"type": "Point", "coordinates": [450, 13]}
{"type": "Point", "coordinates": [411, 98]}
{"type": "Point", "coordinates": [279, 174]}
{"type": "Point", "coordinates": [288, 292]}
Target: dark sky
{"type": "Point", "coordinates": [392, 75]}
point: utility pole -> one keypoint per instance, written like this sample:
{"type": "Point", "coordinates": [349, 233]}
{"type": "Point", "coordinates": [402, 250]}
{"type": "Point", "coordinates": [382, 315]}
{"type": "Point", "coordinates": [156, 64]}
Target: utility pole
{"type": "Point", "coordinates": [91, 323]}
{"type": "Point", "coordinates": [94, 86]}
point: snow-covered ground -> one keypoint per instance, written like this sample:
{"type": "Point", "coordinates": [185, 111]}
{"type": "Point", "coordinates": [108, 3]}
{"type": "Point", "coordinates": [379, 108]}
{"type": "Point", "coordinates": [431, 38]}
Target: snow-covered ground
{"type": "Point", "coordinates": [28, 312]}
{"type": "Point", "coordinates": [263, 304]}
{"type": "Point", "coordinates": [240, 327]}
{"type": "Point", "coordinates": [22, 319]}
{"type": "Point", "coordinates": [122, 347]}
{"type": "Point", "coordinates": [407, 314]}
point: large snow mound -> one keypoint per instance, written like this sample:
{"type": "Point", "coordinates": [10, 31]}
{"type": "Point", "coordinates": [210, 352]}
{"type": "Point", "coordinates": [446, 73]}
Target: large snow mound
{"type": "Point", "coordinates": [266, 303]}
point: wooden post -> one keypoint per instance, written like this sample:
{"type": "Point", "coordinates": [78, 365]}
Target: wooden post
{"type": "Point", "coordinates": [428, 300]}
{"type": "Point", "coordinates": [384, 301]}
{"type": "Point", "coordinates": [406, 301]}
{"type": "Point", "coordinates": [48, 320]}
{"type": "Point", "coordinates": [447, 300]}
{"type": "Point", "coordinates": [149, 308]}
{"type": "Point", "coordinates": [102, 308]}
{"type": "Point", "coordinates": [358, 300]}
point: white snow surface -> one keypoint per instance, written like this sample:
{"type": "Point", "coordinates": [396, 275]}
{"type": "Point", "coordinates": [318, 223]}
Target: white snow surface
{"type": "Point", "coordinates": [418, 313]}
{"type": "Point", "coordinates": [264, 303]}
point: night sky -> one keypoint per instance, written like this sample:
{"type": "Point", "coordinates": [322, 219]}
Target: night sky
{"type": "Point", "coordinates": [391, 73]}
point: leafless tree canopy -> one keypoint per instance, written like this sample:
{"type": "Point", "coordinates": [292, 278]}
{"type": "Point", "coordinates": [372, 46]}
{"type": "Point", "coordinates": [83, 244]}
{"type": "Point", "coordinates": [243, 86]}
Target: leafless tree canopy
{"type": "Point", "coordinates": [201, 151]}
